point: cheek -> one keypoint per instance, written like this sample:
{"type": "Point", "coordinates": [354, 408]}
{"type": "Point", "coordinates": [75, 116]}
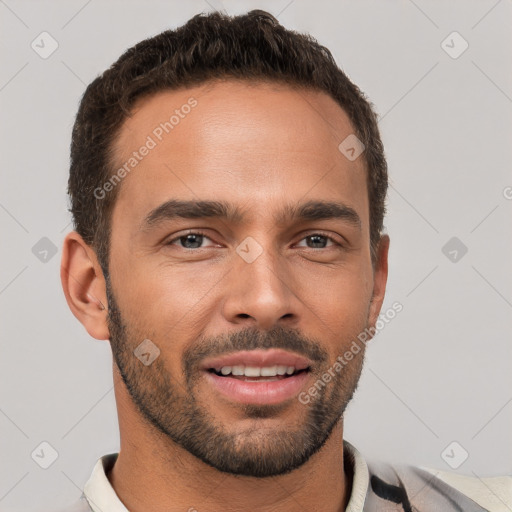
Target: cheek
{"type": "Point", "coordinates": [342, 292]}
{"type": "Point", "coordinates": [169, 293]}
{"type": "Point", "coordinates": [169, 302]}
{"type": "Point", "coordinates": [343, 305]}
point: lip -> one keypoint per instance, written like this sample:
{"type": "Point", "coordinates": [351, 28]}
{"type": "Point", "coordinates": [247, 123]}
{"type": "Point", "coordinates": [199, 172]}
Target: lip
{"type": "Point", "coordinates": [260, 358]}
{"type": "Point", "coordinates": [253, 392]}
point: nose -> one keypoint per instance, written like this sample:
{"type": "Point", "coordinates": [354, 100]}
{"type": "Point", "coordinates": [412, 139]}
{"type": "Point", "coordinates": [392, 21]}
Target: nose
{"type": "Point", "coordinates": [261, 293]}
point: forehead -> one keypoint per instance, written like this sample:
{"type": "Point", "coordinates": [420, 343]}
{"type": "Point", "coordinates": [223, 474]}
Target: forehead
{"type": "Point", "coordinates": [254, 144]}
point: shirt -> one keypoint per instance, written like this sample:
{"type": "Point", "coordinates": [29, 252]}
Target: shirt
{"type": "Point", "coordinates": [376, 487]}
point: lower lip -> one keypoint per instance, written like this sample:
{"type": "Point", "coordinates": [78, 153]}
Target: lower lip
{"type": "Point", "coordinates": [253, 392]}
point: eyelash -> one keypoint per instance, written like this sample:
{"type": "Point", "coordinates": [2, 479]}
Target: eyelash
{"type": "Point", "coordinates": [198, 232]}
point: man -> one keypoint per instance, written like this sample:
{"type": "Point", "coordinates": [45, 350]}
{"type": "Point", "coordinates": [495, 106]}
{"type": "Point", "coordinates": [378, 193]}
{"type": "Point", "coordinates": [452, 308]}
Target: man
{"type": "Point", "coordinates": [228, 188]}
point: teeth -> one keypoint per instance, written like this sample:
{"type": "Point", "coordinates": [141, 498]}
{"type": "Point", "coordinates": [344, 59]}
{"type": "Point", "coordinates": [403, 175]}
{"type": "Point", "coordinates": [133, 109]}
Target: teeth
{"type": "Point", "coordinates": [256, 371]}
{"type": "Point", "coordinates": [269, 371]}
{"type": "Point", "coordinates": [252, 371]}
{"type": "Point", "coordinates": [281, 370]}
{"type": "Point", "coordinates": [237, 370]}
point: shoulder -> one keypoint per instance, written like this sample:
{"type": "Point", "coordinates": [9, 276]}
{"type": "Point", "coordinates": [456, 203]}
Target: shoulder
{"type": "Point", "coordinates": [431, 489]}
{"type": "Point", "coordinates": [494, 493]}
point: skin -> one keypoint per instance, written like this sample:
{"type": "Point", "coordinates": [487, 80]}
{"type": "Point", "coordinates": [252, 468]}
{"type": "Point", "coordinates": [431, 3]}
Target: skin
{"type": "Point", "coordinates": [184, 447]}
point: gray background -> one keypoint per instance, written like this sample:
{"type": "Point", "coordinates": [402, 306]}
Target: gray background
{"type": "Point", "coordinates": [439, 372]}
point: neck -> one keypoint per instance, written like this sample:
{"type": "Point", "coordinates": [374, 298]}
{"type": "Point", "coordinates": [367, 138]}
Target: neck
{"type": "Point", "coordinates": [153, 473]}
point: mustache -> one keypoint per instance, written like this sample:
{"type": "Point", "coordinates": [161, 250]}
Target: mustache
{"type": "Point", "coordinates": [253, 339]}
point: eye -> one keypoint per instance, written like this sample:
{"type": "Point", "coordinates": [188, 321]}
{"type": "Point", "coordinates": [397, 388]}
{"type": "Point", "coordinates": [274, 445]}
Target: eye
{"type": "Point", "coordinates": [317, 240]}
{"type": "Point", "coordinates": [191, 240]}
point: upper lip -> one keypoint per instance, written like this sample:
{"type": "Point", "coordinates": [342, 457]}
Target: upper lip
{"type": "Point", "coordinates": [261, 358]}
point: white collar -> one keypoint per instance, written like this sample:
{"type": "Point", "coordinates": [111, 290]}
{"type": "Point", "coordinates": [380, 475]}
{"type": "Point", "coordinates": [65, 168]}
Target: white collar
{"type": "Point", "coordinates": [102, 497]}
{"type": "Point", "coordinates": [360, 480]}
{"type": "Point", "coordinates": [98, 490]}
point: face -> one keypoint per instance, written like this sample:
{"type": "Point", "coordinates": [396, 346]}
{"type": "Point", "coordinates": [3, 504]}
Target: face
{"type": "Point", "coordinates": [201, 286]}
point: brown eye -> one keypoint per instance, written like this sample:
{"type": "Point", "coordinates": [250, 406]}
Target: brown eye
{"type": "Point", "coordinates": [319, 241]}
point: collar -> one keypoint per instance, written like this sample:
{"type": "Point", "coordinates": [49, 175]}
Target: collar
{"type": "Point", "coordinates": [101, 495]}
{"type": "Point", "coordinates": [98, 490]}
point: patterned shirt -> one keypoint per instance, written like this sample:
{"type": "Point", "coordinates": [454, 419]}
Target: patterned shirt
{"type": "Point", "coordinates": [376, 487]}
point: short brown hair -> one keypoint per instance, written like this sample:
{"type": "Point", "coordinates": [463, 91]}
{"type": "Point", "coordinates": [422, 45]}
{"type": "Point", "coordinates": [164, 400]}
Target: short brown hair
{"type": "Point", "coordinates": [253, 47]}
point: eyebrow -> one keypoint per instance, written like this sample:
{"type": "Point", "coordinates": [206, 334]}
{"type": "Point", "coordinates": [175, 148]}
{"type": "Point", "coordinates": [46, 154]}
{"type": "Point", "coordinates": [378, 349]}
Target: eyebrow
{"type": "Point", "coordinates": [309, 211]}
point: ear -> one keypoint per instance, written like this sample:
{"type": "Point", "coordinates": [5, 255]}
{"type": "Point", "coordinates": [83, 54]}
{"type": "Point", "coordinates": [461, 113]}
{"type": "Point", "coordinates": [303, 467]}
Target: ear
{"type": "Point", "coordinates": [84, 285]}
{"type": "Point", "coordinates": [380, 277]}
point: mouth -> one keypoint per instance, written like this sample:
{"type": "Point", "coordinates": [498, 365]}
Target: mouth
{"type": "Point", "coordinates": [257, 374]}
{"type": "Point", "coordinates": [258, 377]}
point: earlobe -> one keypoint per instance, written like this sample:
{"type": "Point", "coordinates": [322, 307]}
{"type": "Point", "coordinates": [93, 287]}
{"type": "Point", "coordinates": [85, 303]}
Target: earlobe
{"type": "Point", "coordinates": [83, 284]}
{"type": "Point", "coordinates": [380, 278]}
